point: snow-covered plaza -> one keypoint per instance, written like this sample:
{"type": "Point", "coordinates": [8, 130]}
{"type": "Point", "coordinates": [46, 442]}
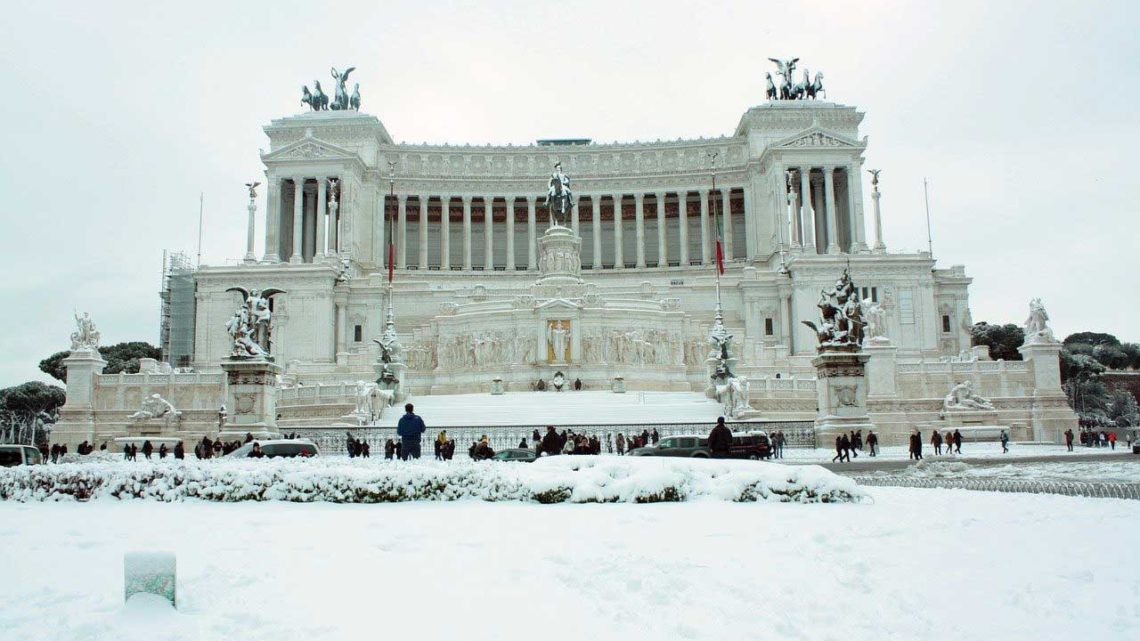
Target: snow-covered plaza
{"type": "Point", "coordinates": [912, 564]}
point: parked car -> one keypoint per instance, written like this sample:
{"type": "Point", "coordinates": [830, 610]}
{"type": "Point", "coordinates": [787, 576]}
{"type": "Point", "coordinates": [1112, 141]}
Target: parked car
{"type": "Point", "coordinates": [753, 445]}
{"type": "Point", "coordinates": [287, 448]}
{"type": "Point", "coordinates": [516, 454]}
{"type": "Point", "coordinates": [13, 455]}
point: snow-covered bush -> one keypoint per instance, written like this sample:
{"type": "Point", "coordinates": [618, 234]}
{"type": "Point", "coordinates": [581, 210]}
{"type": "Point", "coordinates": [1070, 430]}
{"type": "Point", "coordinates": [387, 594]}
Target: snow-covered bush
{"type": "Point", "coordinates": [562, 479]}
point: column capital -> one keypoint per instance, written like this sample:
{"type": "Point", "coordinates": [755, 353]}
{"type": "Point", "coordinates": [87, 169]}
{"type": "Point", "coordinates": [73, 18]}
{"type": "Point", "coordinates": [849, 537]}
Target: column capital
{"type": "Point", "coordinates": [297, 179]}
{"type": "Point", "coordinates": [659, 195]}
{"type": "Point", "coordinates": [638, 197]}
{"type": "Point", "coordinates": [704, 192]}
{"type": "Point", "coordinates": [403, 198]}
{"type": "Point", "coordinates": [531, 198]}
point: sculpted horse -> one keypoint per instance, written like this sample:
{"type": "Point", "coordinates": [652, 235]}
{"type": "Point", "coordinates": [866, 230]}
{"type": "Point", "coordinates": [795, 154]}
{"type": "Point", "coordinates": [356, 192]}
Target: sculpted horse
{"type": "Point", "coordinates": [815, 89]}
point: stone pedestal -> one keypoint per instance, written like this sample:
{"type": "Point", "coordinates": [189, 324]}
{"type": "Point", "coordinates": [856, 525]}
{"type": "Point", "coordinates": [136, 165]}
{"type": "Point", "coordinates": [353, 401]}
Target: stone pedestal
{"type": "Point", "coordinates": [880, 372]}
{"type": "Point", "coordinates": [250, 398]}
{"type": "Point", "coordinates": [841, 386]}
{"type": "Point", "coordinates": [497, 386]}
{"type": "Point", "coordinates": [559, 257]}
{"type": "Point", "coordinates": [618, 385]}
{"type": "Point", "coordinates": [1050, 414]}
{"type": "Point", "coordinates": [77, 416]}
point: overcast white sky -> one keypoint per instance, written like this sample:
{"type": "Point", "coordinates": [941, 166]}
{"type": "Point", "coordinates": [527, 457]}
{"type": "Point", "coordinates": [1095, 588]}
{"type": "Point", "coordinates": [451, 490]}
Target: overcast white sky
{"type": "Point", "coordinates": [116, 115]}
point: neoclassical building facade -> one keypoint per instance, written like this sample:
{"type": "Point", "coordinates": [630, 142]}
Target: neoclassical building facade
{"type": "Point", "coordinates": [787, 186]}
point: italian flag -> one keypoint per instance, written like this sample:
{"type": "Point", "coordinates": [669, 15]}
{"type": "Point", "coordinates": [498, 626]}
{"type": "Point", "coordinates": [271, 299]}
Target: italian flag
{"type": "Point", "coordinates": [718, 225]}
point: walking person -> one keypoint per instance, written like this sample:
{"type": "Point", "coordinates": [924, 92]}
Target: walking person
{"type": "Point", "coordinates": [1112, 439]}
{"type": "Point", "coordinates": [838, 450]}
{"type": "Point", "coordinates": [872, 442]}
{"type": "Point", "coordinates": [620, 444]}
{"type": "Point", "coordinates": [1004, 442]}
{"type": "Point", "coordinates": [410, 428]}
{"type": "Point", "coordinates": [179, 451]}
{"type": "Point", "coordinates": [936, 441]}
{"type": "Point", "coordinates": [957, 442]}
{"type": "Point", "coordinates": [1069, 439]}
{"type": "Point", "coordinates": [845, 448]}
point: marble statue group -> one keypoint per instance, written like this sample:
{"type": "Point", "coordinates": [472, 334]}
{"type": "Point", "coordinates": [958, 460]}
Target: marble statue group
{"type": "Point", "coordinates": [317, 100]}
{"type": "Point", "coordinates": [788, 88]}
{"type": "Point", "coordinates": [85, 335]}
{"type": "Point", "coordinates": [155, 406]}
{"type": "Point", "coordinates": [1037, 328]}
{"type": "Point", "coordinates": [249, 327]}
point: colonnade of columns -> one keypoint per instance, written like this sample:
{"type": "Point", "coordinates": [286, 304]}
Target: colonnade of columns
{"type": "Point", "coordinates": [302, 219]}
{"type": "Point", "coordinates": [607, 216]}
{"type": "Point", "coordinates": [824, 215]}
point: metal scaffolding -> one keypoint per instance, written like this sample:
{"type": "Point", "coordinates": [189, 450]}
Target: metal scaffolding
{"type": "Point", "coordinates": [176, 330]}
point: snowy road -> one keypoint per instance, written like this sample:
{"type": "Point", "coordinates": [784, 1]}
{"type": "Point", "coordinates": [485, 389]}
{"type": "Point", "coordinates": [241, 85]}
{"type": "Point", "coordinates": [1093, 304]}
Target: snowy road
{"type": "Point", "coordinates": [915, 564]}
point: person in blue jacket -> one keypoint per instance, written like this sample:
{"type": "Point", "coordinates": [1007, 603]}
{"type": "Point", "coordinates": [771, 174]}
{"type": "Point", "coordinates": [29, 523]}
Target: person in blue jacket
{"type": "Point", "coordinates": [410, 428]}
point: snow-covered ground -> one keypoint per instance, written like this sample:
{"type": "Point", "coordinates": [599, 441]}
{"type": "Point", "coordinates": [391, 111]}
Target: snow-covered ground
{"type": "Point", "coordinates": [560, 408]}
{"type": "Point", "coordinates": [914, 564]}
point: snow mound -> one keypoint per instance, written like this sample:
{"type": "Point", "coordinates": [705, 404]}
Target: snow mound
{"type": "Point", "coordinates": [560, 479]}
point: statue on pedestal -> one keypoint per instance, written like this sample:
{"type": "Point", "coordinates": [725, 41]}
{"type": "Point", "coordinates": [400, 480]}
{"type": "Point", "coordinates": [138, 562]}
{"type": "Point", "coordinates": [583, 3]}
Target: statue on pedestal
{"type": "Point", "coordinates": [559, 198]}
{"type": "Point", "coordinates": [154, 406]}
{"type": "Point", "coordinates": [317, 100]}
{"type": "Point", "coordinates": [558, 335]}
{"type": "Point", "coordinates": [876, 318]}
{"type": "Point", "coordinates": [249, 327]}
{"type": "Point", "coordinates": [841, 326]}
{"type": "Point", "coordinates": [252, 187]}
{"type": "Point", "coordinates": [85, 336]}
{"type": "Point", "coordinates": [1037, 328]}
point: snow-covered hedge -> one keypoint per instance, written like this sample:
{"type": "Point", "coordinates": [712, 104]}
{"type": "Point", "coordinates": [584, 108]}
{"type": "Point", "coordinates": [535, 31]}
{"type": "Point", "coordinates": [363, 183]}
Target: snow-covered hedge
{"type": "Point", "coordinates": [561, 479]}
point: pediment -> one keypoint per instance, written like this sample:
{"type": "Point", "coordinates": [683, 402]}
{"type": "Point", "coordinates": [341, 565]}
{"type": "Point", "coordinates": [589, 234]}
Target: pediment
{"type": "Point", "coordinates": [817, 137]}
{"type": "Point", "coordinates": [309, 148]}
{"type": "Point", "coordinates": [558, 303]}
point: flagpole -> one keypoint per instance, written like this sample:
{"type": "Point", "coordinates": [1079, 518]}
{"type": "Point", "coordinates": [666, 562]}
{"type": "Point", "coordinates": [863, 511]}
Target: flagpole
{"type": "Point", "coordinates": [391, 243]}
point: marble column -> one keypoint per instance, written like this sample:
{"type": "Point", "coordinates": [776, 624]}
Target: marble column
{"type": "Point", "coordinates": [683, 222]}
{"type": "Point", "coordinates": [726, 222]}
{"type": "Point", "coordinates": [855, 202]}
{"type": "Point", "coordinates": [829, 208]}
{"type": "Point", "coordinates": [639, 226]}
{"type": "Point", "coordinates": [488, 234]}
{"type": "Point", "coordinates": [819, 212]}
{"type": "Point", "coordinates": [807, 214]}
{"type": "Point", "coordinates": [381, 223]}
{"type": "Point", "coordinates": [574, 214]}
{"type": "Point", "coordinates": [445, 232]}
{"type": "Point", "coordinates": [321, 217]}
{"type": "Point", "coordinates": [619, 259]}
{"type": "Point", "coordinates": [879, 246]}
{"type": "Point", "coordinates": [705, 240]}
{"type": "Point", "coordinates": [596, 206]}
{"type": "Point", "coordinates": [402, 232]}
{"type": "Point", "coordinates": [511, 232]}
{"type": "Point", "coordinates": [251, 231]}
{"type": "Point", "coordinates": [298, 217]}
{"type": "Point", "coordinates": [424, 231]}
{"type": "Point", "coordinates": [662, 238]}
{"type": "Point", "coordinates": [467, 233]}
{"type": "Point", "coordinates": [791, 201]}
{"type": "Point", "coordinates": [531, 238]}
{"type": "Point", "coordinates": [272, 220]}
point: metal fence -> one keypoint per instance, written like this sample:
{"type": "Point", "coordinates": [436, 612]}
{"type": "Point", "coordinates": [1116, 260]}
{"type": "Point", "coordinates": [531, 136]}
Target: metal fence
{"type": "Point", "coordinates": [1105, 489]}
{"type": "Point", "coordinates": [332, 440]}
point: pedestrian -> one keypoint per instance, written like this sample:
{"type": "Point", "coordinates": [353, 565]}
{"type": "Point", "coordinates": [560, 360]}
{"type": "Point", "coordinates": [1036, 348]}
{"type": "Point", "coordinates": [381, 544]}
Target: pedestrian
{"type": "Point", "coordinates": [551, 442]}
{"type": "Point", "coordinates": [936, 442]}
{"type": "Point", "coordinates": [654, 437]}
{"type": "Point", "coordinates": [438, 446]}
{"type": "Point", "coordinates": [1069, 439]}
{"type": "Point", "coordinates": [389, 449]}
{"type": "Point", "coordinates": [410, 428]}
{"type": "Point", "coordinates": [918, 445]}
{"type": "Point", "coordinates": [957, 442]}
{"type": "Point", "coordinates": [55, 452]}
{"type": "Point", "coordinates": [523, 445]}
{"type": "Point", "coordinates": [483, 450]}
{"type": "Point", "coordinates": [1004, 442]}
{"type": "Point", "coordinates": [148, 449]}
{"type": "Point", "coordinates": [609, 443]}
{"type": "Point", "coordinates": [620, 444]}
{"type": "Point", "coordinates": [838, 450]}
{"type": "Point", "coordinates": [256, 451]}
{"type": "Point", "coordinates": [179, 451]}
{"type": "Point", "coordinates": [1112, 439]}
{"type": "Point", "coordinates": [855, 439]}
{"type": "Point", "coordinates": [872, 442]}
{"type": "Point", "coordinates": [162, 451]}
{"type": "Point", "coordinates": [720, 439]}
{"type": "Point", "coordinates": [845, 448]}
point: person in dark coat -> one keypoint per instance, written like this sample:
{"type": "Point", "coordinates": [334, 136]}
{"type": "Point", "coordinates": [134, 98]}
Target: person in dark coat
{"type": "Point", "coordinates": [654, 437]}
{"type": "Point", "coordinates": [162, 451]}
{"type": "Point", "coordinates": [551, 443]}
{"type": "Point", "coordinates": [365, 450]}
{"type": "Point", "coordinates": [936, 441]}
{"type": "Point", "coordinates": [483, 450]}
{"type": "Point", "coordinates": [872, 442]}
{"type": "Point", "coordinates": [1004, 442]}
{"type": "Point", "coordinates": [148, 448]}
{"type": "Point", "coordinates": [255, 452]}
{"type": "Point", "coordinates": [957, 442]}
{"type": "Point", "coordinates": [179, 450]}
{"type": "Point", "coordinates": [1069, 439]}
{"type": "Point", "coordinates": [389, 449]}
{"type": "Point", "coordinates": [918, 445]}
{"type": "Point", "coordinates": [410, 428]}
{"type": "Point", "coordinates": [54, 452]}
{"type": "Point", "coordinates": [720, 439]}
{"type": "Point", "coordinates": [845, 446]}
{"type": "Point", "coordinates": [523, 445]}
